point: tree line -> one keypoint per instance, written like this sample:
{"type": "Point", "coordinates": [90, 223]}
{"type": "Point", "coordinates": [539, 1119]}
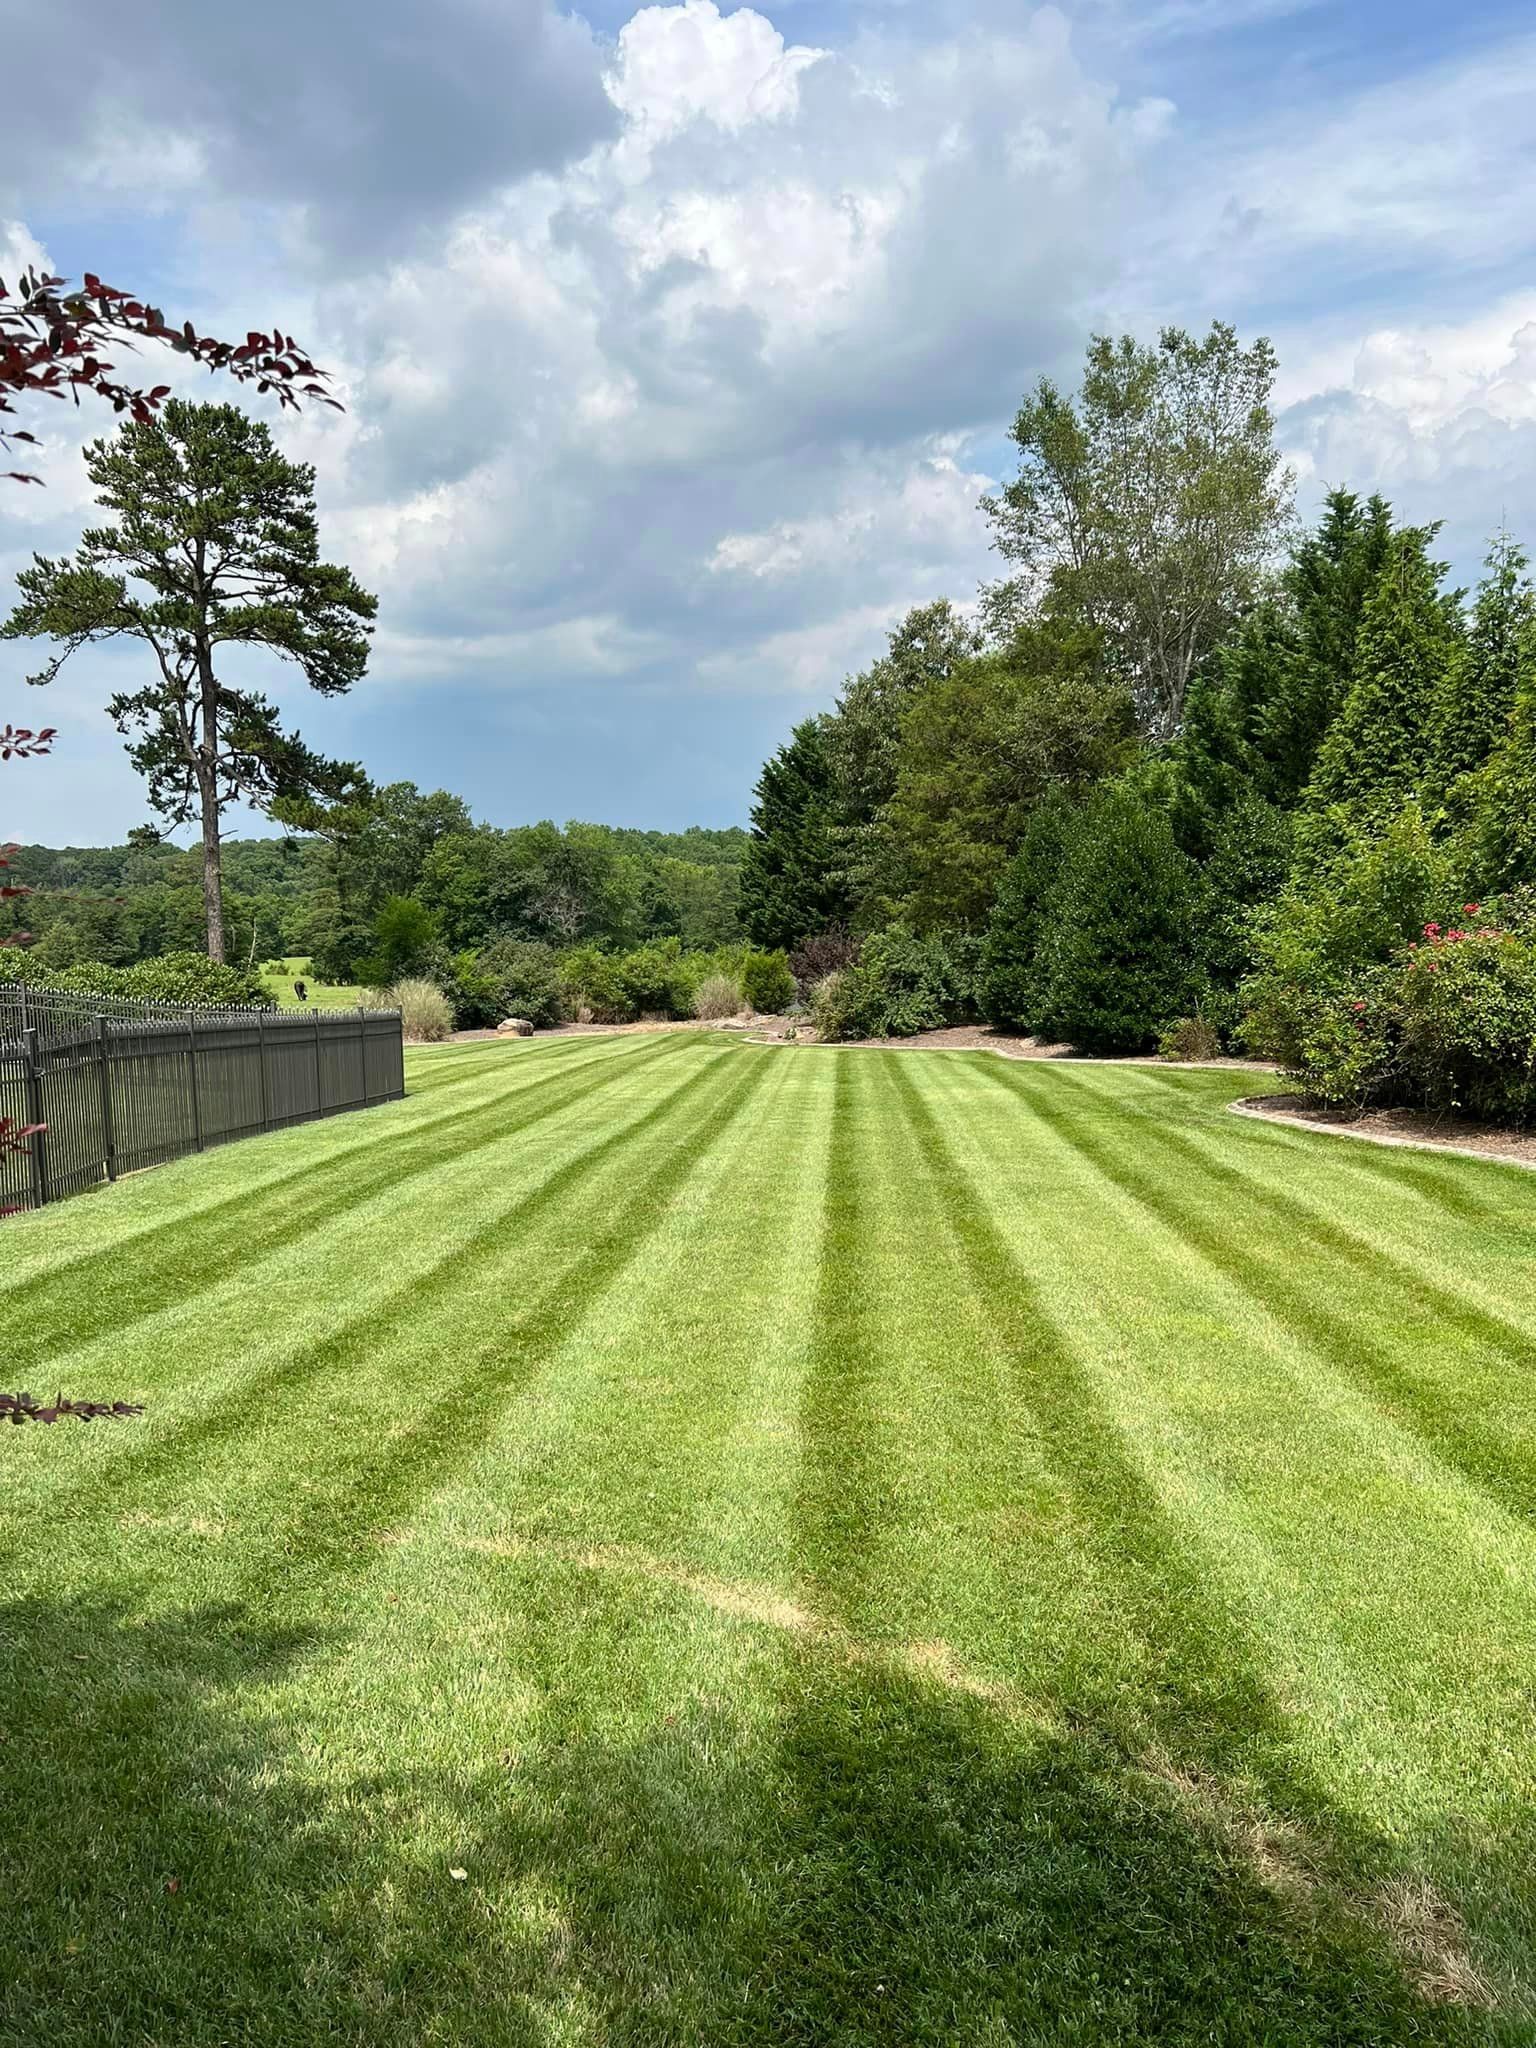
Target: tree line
{"type": "Point", "coordinates": [1190, 775]}
{"type": "Point", "coordinates": [400, 860]}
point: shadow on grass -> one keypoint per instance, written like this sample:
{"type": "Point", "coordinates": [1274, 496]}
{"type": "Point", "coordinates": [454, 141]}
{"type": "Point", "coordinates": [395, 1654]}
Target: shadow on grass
{"type": "Point", "coordinates": [183, 1863]}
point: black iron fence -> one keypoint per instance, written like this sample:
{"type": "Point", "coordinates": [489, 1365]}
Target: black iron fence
{"type": "Point", "coordinates": [119, 1085]}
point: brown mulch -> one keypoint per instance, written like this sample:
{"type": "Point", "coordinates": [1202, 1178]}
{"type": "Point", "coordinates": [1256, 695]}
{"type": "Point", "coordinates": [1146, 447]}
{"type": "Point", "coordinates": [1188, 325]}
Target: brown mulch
{"type": "Point", "coordinates": [1397, 1127]}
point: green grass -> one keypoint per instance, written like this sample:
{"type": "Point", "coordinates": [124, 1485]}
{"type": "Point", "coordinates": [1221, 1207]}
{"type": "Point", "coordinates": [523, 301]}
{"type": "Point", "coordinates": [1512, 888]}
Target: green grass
{"type": "Point", "coordinates": [835, 1547]}
{"type": "Point", "coordinates": [323, 995]}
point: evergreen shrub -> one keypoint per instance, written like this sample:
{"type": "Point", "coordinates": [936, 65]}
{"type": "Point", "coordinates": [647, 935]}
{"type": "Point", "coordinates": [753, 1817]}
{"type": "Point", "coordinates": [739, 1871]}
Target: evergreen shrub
{"type": "Point", "coordinates": [1118, 957]}
{"type": "Point", "coordinates": [903, 982]}
{"type": "Point", "coordinates": [766, 983]}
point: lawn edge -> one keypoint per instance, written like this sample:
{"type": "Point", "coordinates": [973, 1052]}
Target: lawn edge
{"type": "Point", "coordinates": [1246, 1106]}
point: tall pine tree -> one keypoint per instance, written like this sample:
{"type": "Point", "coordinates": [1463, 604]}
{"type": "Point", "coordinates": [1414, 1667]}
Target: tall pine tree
{"type": "Point", "coordinates": [1479, 688]}
{"type": "Point", "coordinates": [1258, 711]}
{"type": "Point", "coordinates": [1377, 752]}
{"type": "Point", "coordinates": [790, 884]}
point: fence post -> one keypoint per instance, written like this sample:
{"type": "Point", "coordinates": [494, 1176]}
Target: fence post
{"type": "Point", "coordinates": [108, 1134]}
{"type": "Point", "coordinates": [319, 1098]}
{"type": "Point", "coordinates": [261, 1062]}
{"type": "Point", "coordinates": [362, 1049]}
{"type": "Point", "coordinates": [197, 1105]}
{"type": "Point", "coordinates": [36, 1150]}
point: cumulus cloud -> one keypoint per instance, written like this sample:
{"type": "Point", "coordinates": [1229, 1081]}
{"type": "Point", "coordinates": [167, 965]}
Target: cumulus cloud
{"type": "Point", "coordinates": [693, 407]}
{"type": "Point", "coordinates": [1439, 418]}
{"type": "Point", "coordinates": [729, 363]}
{"type": "Point", "coordinates": [372, 123]}
{"type": "Point", "coordinates": [685, 63]}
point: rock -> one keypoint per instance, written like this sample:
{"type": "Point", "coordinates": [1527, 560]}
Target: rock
{"type": "Point", "coordinates": [514, 1027]}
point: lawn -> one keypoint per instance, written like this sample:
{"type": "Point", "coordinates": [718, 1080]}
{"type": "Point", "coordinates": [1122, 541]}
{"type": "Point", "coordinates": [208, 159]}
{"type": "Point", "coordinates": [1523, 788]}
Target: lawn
{"type": "Point", "coordinates": [656, 1540]}
{"type": "Point", "coordinates": [280, 976]}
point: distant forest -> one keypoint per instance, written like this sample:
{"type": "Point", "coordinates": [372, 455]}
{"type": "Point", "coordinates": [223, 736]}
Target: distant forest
{"type": "Point", "coordinates": [321, 896]}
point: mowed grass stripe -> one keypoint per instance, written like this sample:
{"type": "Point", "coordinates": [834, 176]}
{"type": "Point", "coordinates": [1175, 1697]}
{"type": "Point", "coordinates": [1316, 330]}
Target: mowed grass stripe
{"type": "Point", "coordinates": [1237, 1396]}
{"type": "Point", "coordinates": [922, 1466]}
{"type": "Point", "coordinates": [375, 1379]}
{"type": "Point", "coordinates": [625, 1519]}
{"type": "Point", "coordinates": [1387, 1592]}
{"type": "Point", "coordinates": [713, 1289]}
{"type": "Point", "coordinates": [377, 1483]}
{"type": "Point", "coordinates": [843, 1498]}
{"type": "Point", "coordinates": [1397, 1319]}
{"type": "Point", "coordinates": [1308, 1181]}
{"type": "Point", "coordinates": [146, 1204]}
{"type": "Point", "coordinates": [304, 1367]}
{"type": "Point", "coordinates": [1198, 1683]}
{"type": "Point", "coordinates": [190, 1254]}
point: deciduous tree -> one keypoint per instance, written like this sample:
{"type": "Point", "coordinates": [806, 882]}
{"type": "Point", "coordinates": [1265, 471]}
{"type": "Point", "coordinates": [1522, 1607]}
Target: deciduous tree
{"type": "Point", "coordinates": [1150, 506]}
{"type": "Point", "coordinates": [53, 337]}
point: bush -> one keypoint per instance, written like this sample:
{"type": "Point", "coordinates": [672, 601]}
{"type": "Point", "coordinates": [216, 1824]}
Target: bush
{"type": "Point", "coordinates": [1117, 959]}
{"type": "Point", "coordinates": [767, 983]}
{"type": "Point", "coordinates": [508, 978]}
{"type": "Point", "coordinates": [589, 983]}
{"type": "Point", "coordinates": [1468, 1018]}
{"type": "Point", "coordinates": [717, 996]}
{"type": "Point", "coordinates": [831, 1013]}
{"type": "Point", "coordinates": [191, 979]}
{"type": "Point", "coordinates": [1189, 1038]}
{"type": "Point", "coordinates": [426, 1015]}
{"type": "Point", "coordinates": [657, 980]}
{"type": "Point", "coordinates": [1244, 871]}
{"type": "Point", "coordinates": [904, 982]}
{"type": "Point", "coordinates": [402, 943]}
{"type": "Point", "coordinates": [825, 953]}
{"type": "Point", "coordinates": [1325, 999]}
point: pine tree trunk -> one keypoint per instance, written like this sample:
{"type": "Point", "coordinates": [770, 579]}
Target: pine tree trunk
{"type": "Point", "coordinates": [208, 799]}
{"type": "Point", "coordinates": [213, 875]}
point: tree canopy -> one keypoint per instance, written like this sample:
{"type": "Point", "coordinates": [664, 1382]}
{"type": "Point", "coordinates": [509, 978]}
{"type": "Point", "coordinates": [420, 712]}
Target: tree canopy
{"type": "Point", "coordinates": [1150, 506]}
{"type": "Point", "coordinates": [214, 547]}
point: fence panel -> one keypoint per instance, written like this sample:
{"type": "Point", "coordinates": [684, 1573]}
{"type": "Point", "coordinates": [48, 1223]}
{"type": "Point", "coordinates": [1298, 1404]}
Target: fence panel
{"type": "Point", "coordinates": [120, 1085]}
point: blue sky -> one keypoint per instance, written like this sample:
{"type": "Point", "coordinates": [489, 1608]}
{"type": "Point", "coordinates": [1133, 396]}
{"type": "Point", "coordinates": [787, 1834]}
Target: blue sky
{"type": "Point", "coordinates": [678, 343]}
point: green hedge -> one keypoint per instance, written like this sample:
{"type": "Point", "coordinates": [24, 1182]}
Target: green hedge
{"type": "Point", "coordinates": [189, 978]}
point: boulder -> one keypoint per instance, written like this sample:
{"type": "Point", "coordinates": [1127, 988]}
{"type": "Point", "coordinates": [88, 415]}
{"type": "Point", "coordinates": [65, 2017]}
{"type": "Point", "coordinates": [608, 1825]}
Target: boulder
{"type": "Point", "coordinates": [514, 1027]}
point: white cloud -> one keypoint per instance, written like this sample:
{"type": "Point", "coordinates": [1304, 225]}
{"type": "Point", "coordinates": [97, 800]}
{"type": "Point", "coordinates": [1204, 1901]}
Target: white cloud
{"type": "Point", "coordinates": [1441, 418]}
{"type": "Point", "coordinates": [726, 366]}
{"type": "Point", "coordinates": [685, 63]}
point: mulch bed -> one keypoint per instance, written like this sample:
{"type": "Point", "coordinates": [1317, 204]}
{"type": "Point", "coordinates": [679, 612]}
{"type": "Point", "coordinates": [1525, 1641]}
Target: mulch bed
{"type": "Point", "coordinates": [1397, 1127]}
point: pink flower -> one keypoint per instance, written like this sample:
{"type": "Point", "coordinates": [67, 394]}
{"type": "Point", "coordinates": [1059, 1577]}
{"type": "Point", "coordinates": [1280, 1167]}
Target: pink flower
{"type": "Point", "coordinates": [1431, 931]}
{"type": "Point", "coordinates": [1471, 909]}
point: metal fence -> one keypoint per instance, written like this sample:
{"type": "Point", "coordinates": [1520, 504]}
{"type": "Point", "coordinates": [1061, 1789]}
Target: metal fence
{"type": "Point", "coordinates": [119, 1085]}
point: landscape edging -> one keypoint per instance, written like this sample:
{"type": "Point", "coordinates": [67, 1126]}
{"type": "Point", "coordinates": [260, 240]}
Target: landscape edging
{"type": "Point", "coordinates": [1432, 1145]}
